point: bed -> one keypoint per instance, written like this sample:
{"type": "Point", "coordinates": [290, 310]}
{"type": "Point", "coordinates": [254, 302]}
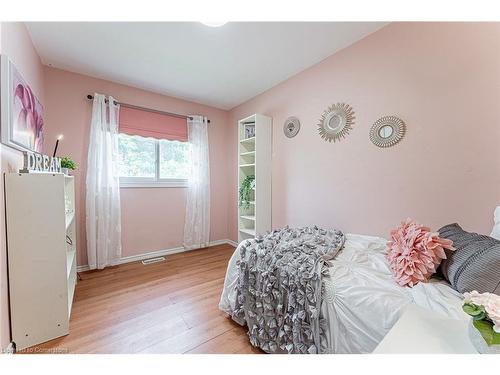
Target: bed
{"type": "Point", "coordinates": [361, 301]}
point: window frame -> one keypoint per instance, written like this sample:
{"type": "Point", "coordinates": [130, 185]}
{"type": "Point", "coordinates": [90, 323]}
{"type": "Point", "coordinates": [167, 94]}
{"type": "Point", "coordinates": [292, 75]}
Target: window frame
{"type": "Point", "coordinates": [153, 182]}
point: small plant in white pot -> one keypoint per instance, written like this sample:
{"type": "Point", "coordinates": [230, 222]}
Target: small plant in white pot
{"type": "Point", "coordinates": [245, 191]}
{"type": "Point", "coordinates": [484, 329]}
{"type": "Point", "coordinates": [67, 164]}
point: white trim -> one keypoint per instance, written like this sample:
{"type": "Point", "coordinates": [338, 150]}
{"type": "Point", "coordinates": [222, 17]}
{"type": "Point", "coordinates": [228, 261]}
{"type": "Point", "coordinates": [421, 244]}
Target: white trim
{"type": "Point", "coordinates": [130, 182]}
{"type": "Point", "coordinates": [153, 254]}
{"type": "Point", "coordinates": [232, 243]}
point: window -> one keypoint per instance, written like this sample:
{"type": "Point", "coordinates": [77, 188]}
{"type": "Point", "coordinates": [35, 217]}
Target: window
{"type": "Point", "coordinates": [150, 162]}
{"type": "Point", "coordinates": [153, 149]}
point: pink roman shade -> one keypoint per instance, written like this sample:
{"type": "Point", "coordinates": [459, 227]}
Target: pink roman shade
{"type": "Point", "coordinates": [150, 124]}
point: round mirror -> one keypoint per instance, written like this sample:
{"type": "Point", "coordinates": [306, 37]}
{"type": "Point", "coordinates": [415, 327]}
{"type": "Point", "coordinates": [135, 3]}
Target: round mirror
{"type": "Point", "coordinates": [336, 122]}
{"type": "Point", "coordinates": [385, 131]}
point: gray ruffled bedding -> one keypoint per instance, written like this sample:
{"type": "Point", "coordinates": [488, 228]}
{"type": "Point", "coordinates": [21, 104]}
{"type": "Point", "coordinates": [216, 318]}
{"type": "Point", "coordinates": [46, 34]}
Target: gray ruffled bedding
{"type": "Point", "coordinates": [279, 288]}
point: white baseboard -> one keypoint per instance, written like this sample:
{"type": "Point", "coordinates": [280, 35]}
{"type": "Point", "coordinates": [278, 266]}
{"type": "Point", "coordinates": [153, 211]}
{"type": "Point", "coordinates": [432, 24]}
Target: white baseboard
{"type": "Point", "coordinates": [153, 254]}
{"type": "Point", "coordinates": [232, 243]}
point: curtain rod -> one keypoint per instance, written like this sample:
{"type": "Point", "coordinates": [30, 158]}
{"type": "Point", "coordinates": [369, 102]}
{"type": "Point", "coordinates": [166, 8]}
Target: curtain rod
{"type": "Point", "coordinates": [90, 97]}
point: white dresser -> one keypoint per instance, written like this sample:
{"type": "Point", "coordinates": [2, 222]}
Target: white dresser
{"type": "Point", "coordinates": [419, 331]}
{"type": "Point", "coordinates": [41, 248]}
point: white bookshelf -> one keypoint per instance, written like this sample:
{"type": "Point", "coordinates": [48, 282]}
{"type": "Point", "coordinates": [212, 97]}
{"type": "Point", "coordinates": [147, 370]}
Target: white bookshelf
{"type": "Point", "coordinates": [41, 245]}
{"type": "Point", "coordinates": [254, 159]}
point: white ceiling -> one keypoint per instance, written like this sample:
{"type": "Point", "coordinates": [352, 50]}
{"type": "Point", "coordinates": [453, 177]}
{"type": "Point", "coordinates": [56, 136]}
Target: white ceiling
{"type": "Point", "coordinates": [220, 67]}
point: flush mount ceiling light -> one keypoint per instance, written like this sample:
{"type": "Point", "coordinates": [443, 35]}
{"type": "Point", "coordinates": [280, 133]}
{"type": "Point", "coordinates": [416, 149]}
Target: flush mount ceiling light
{"type": "Point", "coordinates": [213, 24]}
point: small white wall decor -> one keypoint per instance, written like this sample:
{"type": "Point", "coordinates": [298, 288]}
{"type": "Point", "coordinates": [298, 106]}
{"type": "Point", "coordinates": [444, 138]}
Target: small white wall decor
{"type": "Point", "coordinates": [291, 127]}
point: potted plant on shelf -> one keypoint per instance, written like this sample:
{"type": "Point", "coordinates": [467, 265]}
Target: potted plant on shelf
{"type": "Point", "coordinates": [484, 328]}
{"type": "Point", "coordinates": [245, 192]}
{"type": "Point", "coordinates": [67, 164]}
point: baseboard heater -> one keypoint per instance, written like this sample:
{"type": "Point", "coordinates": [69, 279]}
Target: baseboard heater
{"type": "Point", "coordinates": [153, 260]}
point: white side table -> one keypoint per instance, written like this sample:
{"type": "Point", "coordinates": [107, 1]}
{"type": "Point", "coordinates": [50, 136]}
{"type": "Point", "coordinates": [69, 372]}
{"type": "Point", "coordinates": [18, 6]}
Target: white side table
{"type": "Point", "coordinates": [420, 331]}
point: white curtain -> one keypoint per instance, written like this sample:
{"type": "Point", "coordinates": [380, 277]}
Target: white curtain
{"type": "Point", "coordinates": [103, 190]}
{"type": "Point", "coordinates": [197, 224]}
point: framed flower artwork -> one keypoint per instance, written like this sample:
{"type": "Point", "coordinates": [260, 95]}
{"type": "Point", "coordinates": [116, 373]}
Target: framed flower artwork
{"type": "Point", "coordinates": [21, 111]}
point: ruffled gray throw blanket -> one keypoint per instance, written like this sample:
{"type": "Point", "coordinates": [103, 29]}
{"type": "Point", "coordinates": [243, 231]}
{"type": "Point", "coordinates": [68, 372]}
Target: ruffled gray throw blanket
{"type": "Point", "coordinates": [279, 288]}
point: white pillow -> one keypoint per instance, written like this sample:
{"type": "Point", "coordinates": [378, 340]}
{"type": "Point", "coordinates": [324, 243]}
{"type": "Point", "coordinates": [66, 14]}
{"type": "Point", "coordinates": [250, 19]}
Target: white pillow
{"type": "Point", "coordinates": [495, 233]}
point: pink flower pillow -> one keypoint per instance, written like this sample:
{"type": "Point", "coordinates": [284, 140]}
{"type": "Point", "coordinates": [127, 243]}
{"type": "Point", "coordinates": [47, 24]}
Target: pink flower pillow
{"type": "Point", "coordinates": [415, 252]}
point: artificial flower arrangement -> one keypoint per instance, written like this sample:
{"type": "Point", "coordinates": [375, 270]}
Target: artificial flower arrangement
{"type": "Point", "coordinates": [414, 252]}
{"type": "Point", "coordinates": [484, 308]}
{"type": "Point", "coordinates": [68, 163]}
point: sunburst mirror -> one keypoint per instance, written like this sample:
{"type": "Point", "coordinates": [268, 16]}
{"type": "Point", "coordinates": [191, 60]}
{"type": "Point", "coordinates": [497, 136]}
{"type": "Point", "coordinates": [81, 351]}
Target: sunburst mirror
{"type": "Point", "coordinates": [387, 131]}
{"type": "Point", "coordinates": [336, 122]}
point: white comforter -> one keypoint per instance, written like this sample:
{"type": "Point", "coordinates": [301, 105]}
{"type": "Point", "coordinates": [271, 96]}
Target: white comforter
{"type": "Point", "coordinates": [362, 302]}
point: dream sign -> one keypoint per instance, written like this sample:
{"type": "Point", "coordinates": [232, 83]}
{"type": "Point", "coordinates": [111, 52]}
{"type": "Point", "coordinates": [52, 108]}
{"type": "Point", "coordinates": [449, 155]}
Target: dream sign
{"type": "Point", "coordinates": [38, 163]}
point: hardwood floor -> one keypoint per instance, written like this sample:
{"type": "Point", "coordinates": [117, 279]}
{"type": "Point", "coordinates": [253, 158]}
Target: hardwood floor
{"type": "Point", "coordinates": [168, 307]}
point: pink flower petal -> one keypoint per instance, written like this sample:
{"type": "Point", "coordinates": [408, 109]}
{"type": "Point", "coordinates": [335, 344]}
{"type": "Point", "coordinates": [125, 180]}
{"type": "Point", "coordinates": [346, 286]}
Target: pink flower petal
{"type": "Point", "coordinates": [414, 252]}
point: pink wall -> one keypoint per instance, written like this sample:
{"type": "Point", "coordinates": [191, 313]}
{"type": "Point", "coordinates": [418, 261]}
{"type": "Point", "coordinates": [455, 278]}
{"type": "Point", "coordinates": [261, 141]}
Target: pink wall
{"type": "Point", "coordinates": [152, 219]}
{"type": "Point", "coordinates": [443, 79]}
{"type": "Point", "coordinates": [15, 42]}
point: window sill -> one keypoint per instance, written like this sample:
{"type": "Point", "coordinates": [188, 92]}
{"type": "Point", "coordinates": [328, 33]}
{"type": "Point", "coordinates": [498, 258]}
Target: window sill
{"type": "Point", "coordinates": [154, 184]}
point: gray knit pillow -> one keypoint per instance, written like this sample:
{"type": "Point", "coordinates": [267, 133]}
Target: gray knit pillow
{"type": "Point", "coordinates": [475, 264]}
